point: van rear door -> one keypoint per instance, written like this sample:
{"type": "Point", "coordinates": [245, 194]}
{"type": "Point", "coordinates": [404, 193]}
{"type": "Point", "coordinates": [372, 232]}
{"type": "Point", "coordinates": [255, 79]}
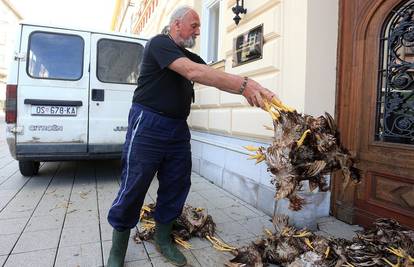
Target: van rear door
{"type": "Point", "coordinates": [53, 91]}
{"type": "Point", "coordinates": [115, 63]}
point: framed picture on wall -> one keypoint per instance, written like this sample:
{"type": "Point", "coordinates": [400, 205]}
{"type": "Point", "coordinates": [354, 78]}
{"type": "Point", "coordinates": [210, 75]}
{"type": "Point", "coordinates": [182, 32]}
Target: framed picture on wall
{"type": "Point", "coordinates": [248, 46]}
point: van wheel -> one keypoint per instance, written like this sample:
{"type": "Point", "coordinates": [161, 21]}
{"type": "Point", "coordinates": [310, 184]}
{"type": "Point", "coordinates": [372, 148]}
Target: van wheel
{"type": "Point", "coordinates": [29, 168]}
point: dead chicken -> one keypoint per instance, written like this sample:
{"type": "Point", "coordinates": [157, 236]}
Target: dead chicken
{"type": "Point", "coordinates": [303, 148]}
{"type": "Point", "coordinates": [193, 222]}
{"type": "Point", "coordinates": [385, 244]}
{"type": "Point", "coordinates": [286, 246]}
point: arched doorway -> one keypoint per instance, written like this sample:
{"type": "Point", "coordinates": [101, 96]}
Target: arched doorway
{"type": "Point", "coordinates": [375, 109]}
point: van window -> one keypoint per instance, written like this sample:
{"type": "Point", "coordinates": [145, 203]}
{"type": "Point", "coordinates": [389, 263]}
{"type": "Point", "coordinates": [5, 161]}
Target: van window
{"type": "Point", "coordinates": [118, 61]}
{"type": "Point", "coordinates": [55, 56]}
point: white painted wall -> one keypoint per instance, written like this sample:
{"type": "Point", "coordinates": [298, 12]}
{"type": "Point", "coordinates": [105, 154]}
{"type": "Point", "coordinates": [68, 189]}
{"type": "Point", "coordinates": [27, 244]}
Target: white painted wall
{"type": "Point", "coordinates": [321, 52]}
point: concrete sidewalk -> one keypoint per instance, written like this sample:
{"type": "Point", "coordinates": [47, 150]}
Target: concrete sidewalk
{"type": "Point", "coordinates": [58, 218]}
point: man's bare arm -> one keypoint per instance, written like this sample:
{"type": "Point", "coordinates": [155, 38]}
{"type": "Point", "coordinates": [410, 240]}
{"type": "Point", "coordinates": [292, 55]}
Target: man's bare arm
{"type": "Point", "coordinates": [200, 73]}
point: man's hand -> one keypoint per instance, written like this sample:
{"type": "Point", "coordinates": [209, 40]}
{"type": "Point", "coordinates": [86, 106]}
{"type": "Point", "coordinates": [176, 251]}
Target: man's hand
{"type": "Point", "coordinates": [255, 94]}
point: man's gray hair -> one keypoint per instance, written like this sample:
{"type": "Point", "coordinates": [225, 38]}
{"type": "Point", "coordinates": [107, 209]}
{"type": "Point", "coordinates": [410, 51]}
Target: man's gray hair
{"type": "Point", "coordinates": [165, 30]}
{"type": "Point", "coordinates": [179, 13]}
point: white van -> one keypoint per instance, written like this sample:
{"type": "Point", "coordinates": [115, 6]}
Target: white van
{"type": "Point", "coordinates": [68, 94]}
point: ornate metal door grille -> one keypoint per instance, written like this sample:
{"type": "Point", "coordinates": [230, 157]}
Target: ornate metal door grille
{"type": "Point", "coordinates": [395, 96]}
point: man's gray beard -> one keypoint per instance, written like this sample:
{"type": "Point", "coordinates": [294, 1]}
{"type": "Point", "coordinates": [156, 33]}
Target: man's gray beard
{"type": "Point", "coordinates": [189, 43]}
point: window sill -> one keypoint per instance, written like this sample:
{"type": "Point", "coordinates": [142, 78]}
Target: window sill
{"type": "Point", "coordinates": [218, 64]}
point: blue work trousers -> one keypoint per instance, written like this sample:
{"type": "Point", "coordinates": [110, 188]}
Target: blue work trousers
{"type": "Point", "coordinates": [154, 144]}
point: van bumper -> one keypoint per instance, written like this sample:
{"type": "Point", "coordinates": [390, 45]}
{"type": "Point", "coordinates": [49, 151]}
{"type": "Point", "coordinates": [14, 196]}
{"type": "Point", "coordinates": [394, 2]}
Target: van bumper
{"type": "Point", "coordinates": [61, 152]}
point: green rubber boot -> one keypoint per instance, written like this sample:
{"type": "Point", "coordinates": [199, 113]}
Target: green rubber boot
{"type": "Point", "coordinates": [165, 246]}
{"type": "Point", "coordinates": [119, 248]}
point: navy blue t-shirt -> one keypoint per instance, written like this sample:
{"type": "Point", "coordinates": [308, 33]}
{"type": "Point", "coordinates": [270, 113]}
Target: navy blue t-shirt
{"type": "Point", "coordinates": [160, 88]}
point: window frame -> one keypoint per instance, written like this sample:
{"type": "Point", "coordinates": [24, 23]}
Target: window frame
{"type": "Point", "coordinates": [97, 58]}
{"type": "Point", "coordinates": [55, 79]}
{"type": "Point", "coordinates": [205, 29]}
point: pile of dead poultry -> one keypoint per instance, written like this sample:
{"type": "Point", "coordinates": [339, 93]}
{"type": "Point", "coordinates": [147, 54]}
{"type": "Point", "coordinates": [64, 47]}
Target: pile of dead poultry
{"type": "Point", "coordinates": [304, 148]}
{"type": "Point", "coordinates": [385, 244]}
{"type": "Point", "coordinates": [193, 222]}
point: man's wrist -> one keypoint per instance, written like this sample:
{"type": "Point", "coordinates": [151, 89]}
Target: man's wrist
{"type": "Point", "coordinates": [243, 85]}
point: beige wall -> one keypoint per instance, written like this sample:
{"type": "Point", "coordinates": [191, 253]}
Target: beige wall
{"type": "Point", "coordinates": [220, 112]}
{"type": "Point", "coordinates": [299, 61]}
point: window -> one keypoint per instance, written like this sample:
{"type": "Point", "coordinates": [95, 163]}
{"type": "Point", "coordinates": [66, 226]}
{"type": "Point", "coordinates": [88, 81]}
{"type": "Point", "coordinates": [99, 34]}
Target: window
{"type": "Point", "coordinates": [210, 36]}
{"type": "Point", "coordinates": [118, 61]}
{"type": "Point", "coordinates": [395, 93]}
{"type": "Point", "coordinates": [55, 56]}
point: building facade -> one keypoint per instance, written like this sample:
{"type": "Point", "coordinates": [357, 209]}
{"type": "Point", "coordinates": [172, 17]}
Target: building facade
{"type": "Point", "coordinates": [9, 19]}
{"type": "Point", "coordinates": [310, 55]}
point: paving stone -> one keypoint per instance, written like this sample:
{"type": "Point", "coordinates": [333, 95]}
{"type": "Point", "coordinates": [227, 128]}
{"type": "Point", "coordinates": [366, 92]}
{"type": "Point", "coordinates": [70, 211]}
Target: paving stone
{"type": "Point", "coordinates": [197, 243]}
{"type": "Point", "coordinates": [48, 222]}
{"type": "Point", "coordinates": [40, 240]}
{"type": "Point", "coordinates": [141, 263]}
{"type": "Point", "coordinates": [214, 192]}
{"type": "Point", "coordinates": [73, 236]}
{"type": "Point", "coordinates": [201, 185]}
{"type": "Point", "coordinates": [209, 257]}
{"type": "Point", "coordinates": [6, 196]}
{"type": "Point", "coordinates": [338, 228]}
{"type": "Point", "coordinates": [219, 216]}
{"type": "Point", "coordinates": [106, 231]}
{"type": "Point", "coordinates": [2, 260]}
{"type": "Point", "coordinates": [7, 242]}
{"type": "Point", "coordinates": [239, 212]}
{"type": "Point", "coordinates": [81, 255]}
{"type": "Point", "coordinates": [163, 262]}
{"type": "Point", "coordinates": [135, 252]}
{"type": "Point", "coordinates": [232, 231]}
{"type": "Point", "coordinates": [244, 242]}
{"type": "Point", "coordinates": [150, 249]}
{"type": "Point", "coordinates": [256, 226]}
{"type": "Point", "coordinates": [10, 171]}
{"type": "Point", "coordinates": [224, 202]}
{"type": "Point", "coordinates": [196, 200]}
{"type": "Point", "coordinates": [255, 210]}
{"type": "Point", "coordinates": [43, 258]}
{"type": "Point", "coordinates": [78, 218]}
{"type": "Point", "coordinates": [12, 226]}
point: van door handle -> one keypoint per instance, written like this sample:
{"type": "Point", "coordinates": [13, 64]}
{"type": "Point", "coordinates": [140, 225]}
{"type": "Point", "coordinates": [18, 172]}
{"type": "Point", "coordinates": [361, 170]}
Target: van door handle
{"type": "Point", "coordinates": [98, 95]}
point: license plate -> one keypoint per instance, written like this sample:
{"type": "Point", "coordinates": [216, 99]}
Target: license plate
{"type": "Point", "coordinates": [54, 110]}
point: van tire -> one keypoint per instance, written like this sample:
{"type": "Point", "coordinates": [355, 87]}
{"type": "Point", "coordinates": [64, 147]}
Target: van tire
{"type": "Point", "coordinates": [29, 168]}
